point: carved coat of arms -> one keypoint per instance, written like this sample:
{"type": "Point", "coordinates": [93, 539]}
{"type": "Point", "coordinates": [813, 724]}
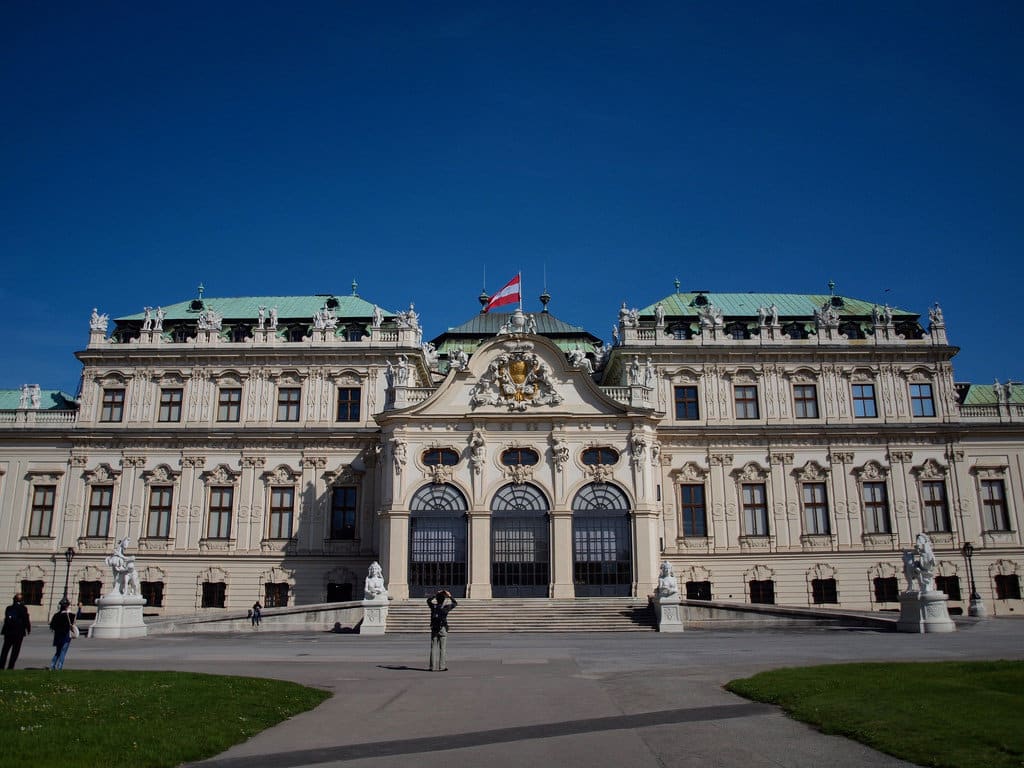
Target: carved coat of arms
{"type": "Point", "coordinates": [517, 379]}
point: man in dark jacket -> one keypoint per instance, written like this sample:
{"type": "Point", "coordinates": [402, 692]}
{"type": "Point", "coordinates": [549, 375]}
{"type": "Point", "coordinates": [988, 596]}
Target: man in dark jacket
{"type": "Point", "coordinates": [16, 626]}
{"type": "Point", "coordinates": [439, 629]}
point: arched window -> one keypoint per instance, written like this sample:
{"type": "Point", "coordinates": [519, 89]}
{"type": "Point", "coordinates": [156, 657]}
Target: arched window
{"type": "Point", "coordinates": [438, 534]}
{"type": "Point", "coordinates": [438, 498]}
{"type": "Point", "coordinates": [603, 497]}
{"type": "Point", "coordinates": [519, 457]}
{"type": "Point", "coordinates": [604, 455]}
{"type": "Point", "coordinates": [515, 498]}
{"type": "Point", "coordinates": [440, 457]}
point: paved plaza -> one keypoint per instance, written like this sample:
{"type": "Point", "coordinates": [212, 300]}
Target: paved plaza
{"type": "Point", "coordinates": [634, 699]}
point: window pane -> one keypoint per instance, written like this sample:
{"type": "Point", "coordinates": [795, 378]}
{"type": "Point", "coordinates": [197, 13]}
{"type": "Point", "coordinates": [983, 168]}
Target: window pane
{"type": "Point", "coordinates": [864, 401]}
{"type": "Point", "coordinates": [113, 405]}
{"type": "Point", "coordinates": [805, 401]}
{"type": "Point", "coordinates": [746, 402]}
{"type": "Point", "coordinates": [170, 405]}
{"type": "Point", "coordinates": [876, 508]}
{"type": "Point", "coordinates": [282, 505]}
{"type": "Point", "coordinates": [755, 510]}
{"type": "Point", "coordinates": [936, 508]}
{"type": "Point", "coordinates": [229, 405]}
{"type": "Point", "coordinates": [343, 513]}
{"type": "Point", "coordinates": [288, 402]}
{"type": "Point", "coordinates": [694, 514]}
{"type": "Point", "coordinates": [816, 518]}
{"type": "Point", "coordinates": [41, 520]}
{"type": "Point", "coordinates": [159, 512]}
{"type": "Point", "coordinates": [993, 501]}
{"type": "Point", "coordinates": [348, 403]}
{"type": "Point", "coordinates": [687, 408]}
{"type": "Point", "coordinates": [921, 399]}
{"type": "Point", "coordinates": [221, 499]}
{"type": "Point", "coordinates": [99, 511]}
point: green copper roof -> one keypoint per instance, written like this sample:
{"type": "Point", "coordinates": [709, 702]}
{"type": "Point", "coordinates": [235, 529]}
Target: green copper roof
{"type": "Point", "coordinates": [746, 304]}
{"type": "Point", "coordinates": [247, 307]}
{"type": "Point", "coordinates": [49, 400]}
{"type": "Point", "coordinates": [984, 394]}
{"type": "Point", "coordinates": [482, 326]}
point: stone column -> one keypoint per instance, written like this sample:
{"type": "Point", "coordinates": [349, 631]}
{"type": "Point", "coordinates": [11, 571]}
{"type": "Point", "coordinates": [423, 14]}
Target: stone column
{"type": "Point", "coordinates": [394, 550]}
{"type": "Point", "coordinates": [645, 524]}
{"type": "Point", "coordinates": [839, 493]}
{"type": "Point", "coordinates": [562, 585]}
{"type": "Point", "coordinates": [720, 465]}
{"type": "Point", "coordinates": [134, 491]}
{"type": "Point", "coordinates": [904, 526]}
{"type": "Point", "coordinates": [479, 554]}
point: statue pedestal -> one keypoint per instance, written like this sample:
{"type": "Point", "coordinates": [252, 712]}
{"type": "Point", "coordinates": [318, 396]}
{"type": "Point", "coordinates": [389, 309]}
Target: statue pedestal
{"type": "Point", "coordinates": [119, 616]}
{"type": "Point", "coordinates": [924, 612]}
{"type": "Point", "coordinates": [669, 613]}
{"type": "Point", "coordinates": [375, 617]}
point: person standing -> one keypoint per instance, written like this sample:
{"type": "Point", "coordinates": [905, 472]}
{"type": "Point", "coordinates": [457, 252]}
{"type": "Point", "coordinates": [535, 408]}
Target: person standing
{"type": "Point", "coordinates": [16, 626]}
{"type": "Point", "coordinates": [63, 626]}
{"type": "Point", "coordinates": [439, 629]}
{"type": "Point", "coordinates": [257, 614]}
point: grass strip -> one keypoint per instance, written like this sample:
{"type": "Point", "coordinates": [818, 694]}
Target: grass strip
{"type": "Point", "coordinates": [136, 719]}
{"type": "Point", "coordinates": [943, 714]}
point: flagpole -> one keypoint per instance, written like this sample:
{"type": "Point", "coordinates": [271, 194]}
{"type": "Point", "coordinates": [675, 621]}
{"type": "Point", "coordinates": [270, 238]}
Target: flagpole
{"type": "Point", "coordinates": [520, 291]}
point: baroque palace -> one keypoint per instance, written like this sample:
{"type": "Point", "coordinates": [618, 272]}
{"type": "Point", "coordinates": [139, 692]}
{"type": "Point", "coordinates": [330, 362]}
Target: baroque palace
{"type": "Point", "coordinates": [775, 448]}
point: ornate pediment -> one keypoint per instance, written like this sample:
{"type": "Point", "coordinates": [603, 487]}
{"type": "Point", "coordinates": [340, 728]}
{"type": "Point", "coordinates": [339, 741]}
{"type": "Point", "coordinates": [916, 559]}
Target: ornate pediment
{"type": "Point", "coordinates": [930, 470]}
{"type": "Point", "coordinates": [750, 473]}
{"type": "Point", "coordinates": [811, 472]}
{"type": "Point", "coordinates": [160, 475]}
{"type": "Point", "coordinates": [690, 472]}
{"type": "Point", "coordinates": [871, 471]}
{"type": "Point", "coordinates": [102, 474]}
{"type": "Point", "coordinates": [516, 379]}
{"type": "Point", "coordinates": [221, 475]}
{"type": "Point", "coordinates": [282, 475]}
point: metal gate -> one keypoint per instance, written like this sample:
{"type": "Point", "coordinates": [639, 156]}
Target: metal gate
{"type": "Point", "coordinates": [437, 541]}
{"type": "Point", "coordinates": [520, 543]}
{"type": "Point", "coordinates": [602, 542]}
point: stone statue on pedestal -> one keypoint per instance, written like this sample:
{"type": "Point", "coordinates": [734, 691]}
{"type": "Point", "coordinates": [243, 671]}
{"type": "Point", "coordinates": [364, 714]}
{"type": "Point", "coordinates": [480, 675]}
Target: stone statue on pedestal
{"type": "Point", "coordinates": [374, 588]}
{"type": "Point", "coordinates": [923, 609]}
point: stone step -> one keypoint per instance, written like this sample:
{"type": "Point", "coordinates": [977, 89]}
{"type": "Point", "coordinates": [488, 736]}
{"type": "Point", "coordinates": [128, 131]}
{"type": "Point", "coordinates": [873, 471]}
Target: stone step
{"type": "Point", "coordinates": [525, 615]}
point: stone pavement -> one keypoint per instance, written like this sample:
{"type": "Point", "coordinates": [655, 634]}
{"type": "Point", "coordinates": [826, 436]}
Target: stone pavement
{"type": "Point", "coordinates": [632, 699]}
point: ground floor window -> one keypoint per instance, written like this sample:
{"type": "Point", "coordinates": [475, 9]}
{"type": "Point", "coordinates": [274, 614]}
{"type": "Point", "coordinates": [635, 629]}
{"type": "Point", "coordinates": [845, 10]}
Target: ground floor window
{"type": "Point", "coordinates": [1008, 587]}
{"type": "Point", "coordinates": [339, 593]}
{"type": "Point", "coordinates": [214, 593]}
{"type": "Point", "coordinates": [698, 590]}
{"type": "Point", "coordinates": [89, 592]}
{"type": "Point", "coordinates": [824, 591]}
{"type": "Point", "coordinates": [153, 591]}
{"type": "Point", "coordinates": [275, 595]}
{"type": "Point", "coordinates": [886, 590]}
{"type": "Point", "coordinates": [762, 591]}
{"type": "Point", "coordinates": [32, 592]}
{"type": "Point", "coordinates": [950, 585]}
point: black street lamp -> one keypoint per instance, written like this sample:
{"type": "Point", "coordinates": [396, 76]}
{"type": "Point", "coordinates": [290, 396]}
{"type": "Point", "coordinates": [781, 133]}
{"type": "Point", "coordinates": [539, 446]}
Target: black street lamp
{"type": "Point", "coordinates": [69, 555]}
{"type": "Point", "coordinates": [975, 607]}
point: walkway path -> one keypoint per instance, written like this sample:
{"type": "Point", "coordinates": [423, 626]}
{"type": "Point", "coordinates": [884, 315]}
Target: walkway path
{"type": "Point", "coordinates": [633, 700]}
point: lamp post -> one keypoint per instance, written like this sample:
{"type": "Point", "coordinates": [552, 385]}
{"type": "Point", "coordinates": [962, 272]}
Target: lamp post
{"type": "Point", "coordinates": [975, 607]}
{"type": "Point", "coordinates": [69, 555]}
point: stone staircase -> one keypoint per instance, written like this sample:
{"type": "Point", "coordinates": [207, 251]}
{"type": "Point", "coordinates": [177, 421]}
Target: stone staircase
{"type": "Point", "coordinates": [594, 614]}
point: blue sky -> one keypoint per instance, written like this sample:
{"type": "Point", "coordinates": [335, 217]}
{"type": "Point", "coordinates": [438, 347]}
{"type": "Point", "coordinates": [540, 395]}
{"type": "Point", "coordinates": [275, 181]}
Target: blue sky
{"type": "Point", "coordinates": [272, 148]}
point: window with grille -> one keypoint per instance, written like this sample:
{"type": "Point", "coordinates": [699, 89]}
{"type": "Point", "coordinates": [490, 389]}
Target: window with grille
{"type": "Point", "coordinates": [112, 407]}
{"type": "Point", "coordinates": [89, 592]}
{"type": "Point", "coordinates": [693, 510]}
{"type": "Point", "coordinates": [439, 457]}
{"type": "Point", "coordinates": [876, 508]}
{"type": "Point", "coordinates": [99, 511]}
{"type": "Point", "coordinates": [159, 511]}
{"type": "Point", "coordinates": [214, 594]}
{"type": "Point", "coordinates": [519, 457]}
{"type": "Point", "coordinates": [275, 594]}
{"type": "Point", "coordinates": [762, 591]}
{"type": "Point", "coordinates": [950, 585]}
{"type": "Point", "coordinates": [596, 456]}
{"type": "Point", "coordinates": [41, 519]}
{"type": "Point", "coordinates": [1007, 586]}
{"type": "Point", "coordinates": [32, 592]}
{"type": "Point", "coordinates": [221, 504]}
{"type": "Point", "coordinates": [153, 592]}
{"type": "Point", "coordinates": [824, 591]}
{"type": "Point", "coordinates": [170, 405]}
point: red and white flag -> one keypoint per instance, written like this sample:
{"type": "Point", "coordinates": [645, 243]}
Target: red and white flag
{"type": "Point", "coordinates": [507, 295]}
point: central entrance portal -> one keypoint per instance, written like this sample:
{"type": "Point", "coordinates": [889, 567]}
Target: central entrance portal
{"type": "Point", "coordinates": [520, 543]}
{"type": "Point", "coordinates": [437, 541]}
{"type": "Point", "coordinates": [602, 542]}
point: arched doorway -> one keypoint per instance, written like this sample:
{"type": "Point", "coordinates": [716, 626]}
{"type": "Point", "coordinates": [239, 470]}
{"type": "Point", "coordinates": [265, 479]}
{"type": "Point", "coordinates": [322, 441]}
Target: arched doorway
{"type": "Point", "coordinates": [520, 542]}
{"type": "Point", "coordinates": [602, 557]}
{"type": "Point", "coordinates": [437, 541]}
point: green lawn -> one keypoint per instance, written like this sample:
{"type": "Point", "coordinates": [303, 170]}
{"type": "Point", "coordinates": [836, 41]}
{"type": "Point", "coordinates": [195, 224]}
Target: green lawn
{"type": "Point", "coordinates": [136, 719]}
{"type": "Point", "coordinates": [949, 714]}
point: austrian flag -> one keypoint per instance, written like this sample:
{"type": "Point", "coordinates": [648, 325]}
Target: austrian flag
{"type": "Point", "coordinates": [507, 295]}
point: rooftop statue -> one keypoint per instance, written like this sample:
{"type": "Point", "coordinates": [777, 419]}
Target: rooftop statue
{"type": "Point", "coordinates": [147, 318]}
{"type": "Point", "coordinates": [158, 319]}
{"type": "Point", "coordinates": [98, 322]}
{"type": "Point", "coordinates": [457, 360]}
{"type": "Point", "coordinates": [378, 316]}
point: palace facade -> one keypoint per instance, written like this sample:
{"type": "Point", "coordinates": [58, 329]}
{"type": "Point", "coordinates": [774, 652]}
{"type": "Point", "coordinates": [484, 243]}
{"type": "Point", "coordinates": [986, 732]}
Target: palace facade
{"type": "Point", "coordinates": [775, 448]}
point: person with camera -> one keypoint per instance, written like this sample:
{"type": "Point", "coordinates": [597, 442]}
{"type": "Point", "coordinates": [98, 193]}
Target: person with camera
{"type": "Point", "coordinates": [439, 610]}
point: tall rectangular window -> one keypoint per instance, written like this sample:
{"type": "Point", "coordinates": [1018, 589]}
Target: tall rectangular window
{"type": "Point", "coordinates": [864, 401]}
{"type": "Point", "coordinates": [693, 510]}
{"type": "Point", "coordinates": [32, 592]}
{"type": "Point", "coordinates": [214, 594]}
{"type": "Point", "coordinates": [921, 401]}
{"type": "Point", "coordinates": [221, 501]}
{"type": "Point", "coordinates": [41, 519]}
{"type": "Point", "coordinates": [159, 526]}
{"type": "Point", "coordinates": [170, 405]}
{"type": "Point", "coordinates": [348, 403]}
{"type": "Point", "coordinates": [876, 508]}
{"type": "Point", "coordinates": [343, 512]}
{"type": "Point", "coordinates": [936, 505]}
{"type": "Point", "coordinates": [282, 506]}
{"type": "Point", "coordinates": [805, 401]}
{"type": "Point", "coordinates": [746, 401]}
{"type": "Point", "coordinates": [100, 497]}
{"type": "Point", "coordinates": [112, 407]}
{"type": "Point", "coordinates": [687, 406]}
{"type": "Point", "coordinates": [288, 401]}
{"type": "Point", "coordinates": [229, 404]}
{"type": "Point", "coordinates": [755, 510]}
{"type": "Point", "coordinates": [816, 520]}
{"type": "Point", "coordinates": [993, 503]}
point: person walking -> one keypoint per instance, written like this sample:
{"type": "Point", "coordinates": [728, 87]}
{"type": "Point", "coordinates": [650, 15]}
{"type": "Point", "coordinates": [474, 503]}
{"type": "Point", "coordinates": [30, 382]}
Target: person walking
{"type": "Point", "coordinates": [256, 614]}
{"type": "Point", "coordinates": [439, 629]}
{"type": "Point", "coordinates": [64, 629]}
{"type": "Point", "coordinates": [16, 625]}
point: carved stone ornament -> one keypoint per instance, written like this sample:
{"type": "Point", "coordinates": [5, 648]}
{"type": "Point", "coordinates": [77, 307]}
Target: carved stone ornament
{"type": "Point", "coordinates": [439, 474]}
{"type": "Point", "coordinates": [811, 472]}
{"type": "Point", "coordinates": [160, 475]}
{"type": "Point", "coordinates": [220, 476]}
{"type": "Point", "coordinates": [280, 476]}
{"type": "Point", "coordinates": [600, 473]}
{"type": "Point", "coordinates": [517, 379]}
{"type": "Point", "coordinates": [749, 473]}
{"type": "Point", "coordinates": [871, 471]}
{"type": "Point", "coordinates": [519, 473]}
{"type": "Point", "coordinates": [102, 474]}
{"type": "Point", "coordinates": [690, 472]}
{"type": "Point", "coordinates": [930, 470]}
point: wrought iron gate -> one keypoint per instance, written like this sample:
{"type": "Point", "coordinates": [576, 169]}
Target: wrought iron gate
{"type": "Point", "coordinates": [520, 542]}
{"type": "Point", "coordinates": [602, 543]}
{"type": "Point", "coordinates": [438, 530]}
